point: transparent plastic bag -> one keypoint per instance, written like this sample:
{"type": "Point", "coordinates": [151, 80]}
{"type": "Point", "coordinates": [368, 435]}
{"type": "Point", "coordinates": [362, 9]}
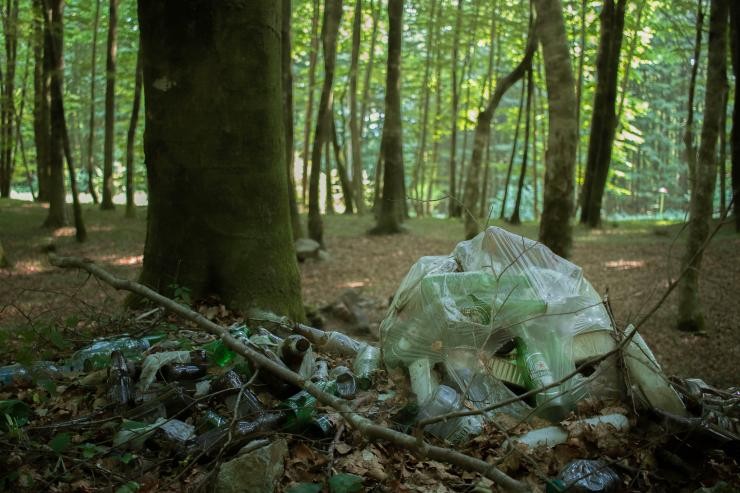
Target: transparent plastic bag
{"type": "Point", "coordinates": [494, 288]}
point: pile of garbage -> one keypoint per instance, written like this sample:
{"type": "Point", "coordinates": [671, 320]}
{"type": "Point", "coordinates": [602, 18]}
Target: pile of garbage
{"type": "Point", "coordinates": [501, 327]}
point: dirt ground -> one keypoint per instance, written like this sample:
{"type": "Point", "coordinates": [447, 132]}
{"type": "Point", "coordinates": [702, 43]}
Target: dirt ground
{"type": "Point", "coordinates": [633, 262]}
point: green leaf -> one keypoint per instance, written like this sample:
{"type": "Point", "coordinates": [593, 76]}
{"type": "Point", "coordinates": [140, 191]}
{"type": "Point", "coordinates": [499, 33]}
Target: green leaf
{"type": "Point", "coordinates": [345, 483]}
{"type": "Point", "coordinates": [90, 450]}
{"type": "Point", "coordinates": [130, 487]}
{"type": "Point", "coordinates": [15, 412]}
{"type": "Point", "coordinates": [61, 442]}
{"type": "Point", "coordinates": [127, 457]}
{"type": "Point", "coordinates": [304, 488]}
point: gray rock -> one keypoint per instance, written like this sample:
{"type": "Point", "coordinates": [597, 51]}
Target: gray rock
{"type": "Point", "coordinates": [257, 472]}
{"type": "Point", "coordinates": [306, 248]}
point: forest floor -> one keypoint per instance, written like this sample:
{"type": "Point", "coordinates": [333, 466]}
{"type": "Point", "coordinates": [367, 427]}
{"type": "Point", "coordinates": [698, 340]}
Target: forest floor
{"type": "Point", "coordinates": [633, 262]}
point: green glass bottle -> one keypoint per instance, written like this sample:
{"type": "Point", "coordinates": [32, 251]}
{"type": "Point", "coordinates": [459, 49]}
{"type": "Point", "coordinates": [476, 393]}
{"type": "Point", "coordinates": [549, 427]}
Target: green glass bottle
{"type": "Point", "coordinates": [217, 350]}
{"type": "Point", "coordinates": [301, 407]}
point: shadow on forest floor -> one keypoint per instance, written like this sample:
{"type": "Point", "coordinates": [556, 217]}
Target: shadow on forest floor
{"type": "Point", "coordinates": [632, 261]}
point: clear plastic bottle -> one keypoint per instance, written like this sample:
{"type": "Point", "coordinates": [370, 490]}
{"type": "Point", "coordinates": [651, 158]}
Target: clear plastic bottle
{"type": "Point", "coordinates": [445, 400]}
{"type": "Point", "coordinates": [97, 355]}
{"type": "Point", "coordinates": [365, 365]}
{"type": "Point", "coordinates": [342, 344]}
{"type": "Point", "coordinates": [18, 373]}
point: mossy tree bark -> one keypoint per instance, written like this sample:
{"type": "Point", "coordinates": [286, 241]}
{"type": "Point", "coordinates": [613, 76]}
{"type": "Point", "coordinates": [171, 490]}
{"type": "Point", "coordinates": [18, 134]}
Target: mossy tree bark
{"type": "Point", "coordinates": [735, 134]}
{"type": "Point", "coordinates": [218, 220]}
{"type": "Point", "coordinates": [131, 139]}
{"type": "Point", "coordinates": [329, 31]}
{"type": "Point", "coordinates": [483, 130]}
{"type": "Point", "coordinates": [287, 80]}
{"type": "Point", "coordinates": [53, 36]}
{"type": "Point", "coordinates": [557, 205]}
{"type": "Point", "coordinates": [604, 120]}
{"type": "Point", "coordinates": [41, 115]}
{"type": "Point", "coordinates": [391, 212]}
{"type": "Point", "coordinates": [110, 106]}
{"type": "Point", "coordinates": [690, 316]}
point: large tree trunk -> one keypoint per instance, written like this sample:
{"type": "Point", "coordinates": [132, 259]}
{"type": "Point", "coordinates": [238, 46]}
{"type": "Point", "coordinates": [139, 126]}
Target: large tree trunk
{"type": "Point", "coordinates": [454, 208]}
{"type": "Point", "coordinates": [7, 96]}
{"type": "Point", "coordinates": [41, 81]}
{"type": "Point", "coordinates": [110, 107]}
{"type": "Point", "coordinates": [515, 219]}
{"type": "Point", "coordinates": [604, 119]}
{"type": "Point", "coordinates": [392, 203]}
{"type": "Point", "coordinates": [735, 135]}
{"type": "Point", "coordinates": [57, 216]}
{"type": "Point", "coordinates": [287, 84]}
{"type": "Point", "coordinates": [131, 139]}
{"type": "Point", "coordinates": [91, 126]}
{"type": "Point", "coordinates": [557, 206]}
{"type": "Point", "coordinates": [313, 56]}
{"type": "Point", "coordinates": [329, 31]}
{"type": "Point", "coordinates": [218, 202]}
{"type": "Point", "coordinates": [354, 127]}
{"type": "Point", "coordinates": [690, 316]}
{"type": "Point", "coordinates": [483, 129]}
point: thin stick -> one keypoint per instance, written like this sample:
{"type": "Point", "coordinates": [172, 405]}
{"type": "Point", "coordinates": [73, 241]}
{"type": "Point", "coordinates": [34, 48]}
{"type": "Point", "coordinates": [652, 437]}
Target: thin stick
{"type": "Point", "coordinates": [362, 424]}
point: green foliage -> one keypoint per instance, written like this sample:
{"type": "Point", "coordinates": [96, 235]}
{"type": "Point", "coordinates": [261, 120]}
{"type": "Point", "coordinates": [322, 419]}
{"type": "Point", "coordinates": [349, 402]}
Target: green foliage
{"type": "Point", "coordinates": [61, 442]}
{"type": "Point", "coordinates": [345, 483]}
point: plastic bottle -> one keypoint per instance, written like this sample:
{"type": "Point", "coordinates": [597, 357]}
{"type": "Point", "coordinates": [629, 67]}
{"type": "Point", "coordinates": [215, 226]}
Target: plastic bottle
{"type": "Point", "coordinates": [346, 384]}
{"type": "Point", "coordinates": [321, 371]}
{"type": "Point", "coordinates": [293, 349]}
{"type": "Point", "coordinates": [217, 350]}
{"type": "Point", "coordinates": [366, 363]}
{"type": "Point", "coordinates": [537, 373]}
{"type": "Point", "coordinates": [422, 383]}
{"type": "Point", "coordinates": [120, 384]}
{"type": "Point", "coordinates": [14, 374]}
{"type": "Point", "coordinates": [301, 407]}
{"type": "Point", "coordinates": [97, 355]}
{"type": "Point", "coordinates": [342, 344]}
{"type": "Point", "coordinates": [445, 400]}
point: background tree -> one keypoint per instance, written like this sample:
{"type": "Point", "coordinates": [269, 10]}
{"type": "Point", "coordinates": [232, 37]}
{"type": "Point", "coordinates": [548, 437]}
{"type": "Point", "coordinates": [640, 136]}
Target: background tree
{"type": "Point", "coordinates": [354, 124]}
{"type": "Point", "coordinates": [287, 84]}
{"type": "Point", "coordinates": [557, 205]}
{"type": "Point", "coordinates": [690, 316]}
{"type": "Point", "coordinates": [91, 122]}
{"type": "Point", "coordinates": [392, 204]}
{"type": "Point", "coordinates": [329, 31]}
{"type": "Point", "coordinates": [110, 106]}
{"type": "Point", "coordinates": [41, 115]}
{"type": "Point", "coordinates": [10, 25]}
{"type": "Point", "coordinates": [218, 219]}
{"type": "Point", "coordinates": [604, 120]}
{"type": "Point", "coordinates": [735, 136]}
{"type": "Point", "coordinates": [131, 139]}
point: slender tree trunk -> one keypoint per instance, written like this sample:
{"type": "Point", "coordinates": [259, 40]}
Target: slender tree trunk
{"type": "Point", "coordinates": [535, 192]}
{"type": "Point", "coordinates": [418, 172]}
{"type": "Point", "coordinates": [369, 67]}
{"type": "Point", "coordinates": [688, 135]}
{"type": "Point", "coordinates": [287, 82]}
{"type": "Point", "coordinates": [435, 129]}
{"type": "Point", "coordinates": [41, 81]}
{"type": "Point", "coordinates": [483, 128]}
{"type": "Point", "coordinates": [483, 208]}
{"type": "Point", "coordinates": [131, 139]}
{"type": "Point", "coordinates": [53, 30]}
{"type": "Point", "coordinates": [313, 56]}
{"type": "Point", "coordinates": [453, 206]}
{"type": "Point", "coordinates": [329, 31]}
{"type": "Point", "coordinates": [627, 70]}
{"type": "Point", "coordinates": [467, 71]}
{"type": "Point", "coordinates": [110, 106]}
{"type": "Point", "coordinates": [392, 203]}
{"type": "Point", "coordinates": [557, 206]}
{"type": "Point", "coordinates": [218, 218]}
{"type": "Point", "coordinates": [513, 152]}
{"type": "Point", "coordinates": [19, 119]}
{"type": "Point", "coordinates": [329, 197]}
{"type": "Point", "coordinates": [579, 89]}
{"type": "Point", "coordinates": [723, 157]}
{"type": "Point", "coordinates": [91, 127]}
{"type": "Point", "coordinates": [354, 127]}
{"type": "Point", "coordinates": [344, 180]}
{"type": "Point", "coordinates": [690, 316]}
{"type": "Point", "coordinates": [604, 119]}
{"type": "Point", "coordinates": [7, 97]}
{"type": "Point", "coordinates": [735, 133]}
{"type": "Point", "coordinates": [515, 219]}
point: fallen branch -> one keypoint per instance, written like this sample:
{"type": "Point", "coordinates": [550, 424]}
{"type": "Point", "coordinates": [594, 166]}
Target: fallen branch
{"type": "Point", "coordinates": [362, 424]}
